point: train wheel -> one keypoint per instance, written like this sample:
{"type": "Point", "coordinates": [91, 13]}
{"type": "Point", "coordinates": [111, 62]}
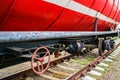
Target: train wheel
{"type": "Point", "coordinates": [109, 44]}
{"type": "Point", "coordinates": [40, 68]}
{"type": "Point", "coordinates": [101, 47]}
{"type": "Point", "coordinates": [112, 44]}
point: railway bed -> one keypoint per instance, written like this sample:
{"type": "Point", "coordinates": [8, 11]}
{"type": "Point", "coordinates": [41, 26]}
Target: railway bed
{"type": "Point", "coordinates": [61, 68]}
{"type": "Point", "coordinates": [9, 60]}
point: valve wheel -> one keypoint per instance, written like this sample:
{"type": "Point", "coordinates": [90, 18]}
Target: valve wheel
{"type": "Point", "coordinates": [40, 68]}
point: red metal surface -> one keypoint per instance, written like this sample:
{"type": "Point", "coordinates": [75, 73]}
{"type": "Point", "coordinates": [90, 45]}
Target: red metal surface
{"type": "Point", "coordinates": [85, 20]}
{"type": "Point", "coordinates": [98, 8]}
{"type": "Point", "coordinates": [105, 11]}
{"type": "Point", "coordinates": [119, 17]}
{"type": "Point", "coordinates": [30, 15]}
{"type": "Point", "coordinates": [117, 14]}
{"type": "Point", "coordinates": [5, 7]}
{"type": "Point", "coordinates": [39, 15]}
{"type": "Point", "coordinates": [111, 14]}
{"type": "Point", "coordinates": [66, 21]}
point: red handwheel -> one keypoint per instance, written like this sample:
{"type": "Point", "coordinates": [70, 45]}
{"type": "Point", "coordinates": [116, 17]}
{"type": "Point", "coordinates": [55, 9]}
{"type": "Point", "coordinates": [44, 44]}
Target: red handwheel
{"type": "Point", "coordinates": [40, 68]}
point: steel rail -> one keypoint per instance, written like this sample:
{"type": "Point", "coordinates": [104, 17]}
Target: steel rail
{"type": "Point", "coordinates": [91, 65]}
{"type": "Point", "coordinates": [75, 76]}
{"type": "Point", "coordinates": [24, 73]}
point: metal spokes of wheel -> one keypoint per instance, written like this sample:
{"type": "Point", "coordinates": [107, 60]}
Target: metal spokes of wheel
{"type": "Point", "coordinates": [40, 61]}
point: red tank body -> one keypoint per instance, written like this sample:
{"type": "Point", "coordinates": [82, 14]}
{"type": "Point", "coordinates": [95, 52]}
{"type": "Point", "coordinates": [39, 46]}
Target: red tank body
{"type": "Point", "coordinates": [58, 15]}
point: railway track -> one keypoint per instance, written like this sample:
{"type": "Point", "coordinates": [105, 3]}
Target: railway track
{"type": "Point", "coordinates": [65, 67]}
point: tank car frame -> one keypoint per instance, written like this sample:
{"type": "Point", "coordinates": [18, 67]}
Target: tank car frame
{"type": "Point", "coordinates": [73, 42]}
{"type": "Point", "coordinates": [37, 45]}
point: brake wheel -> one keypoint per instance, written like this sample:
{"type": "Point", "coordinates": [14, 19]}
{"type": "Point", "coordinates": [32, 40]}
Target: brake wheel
{"type": "Point", "coordinates": [39, 61]}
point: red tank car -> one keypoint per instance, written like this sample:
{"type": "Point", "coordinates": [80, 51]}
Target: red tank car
{"type": "Point", "coordinates": [58, 15]}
